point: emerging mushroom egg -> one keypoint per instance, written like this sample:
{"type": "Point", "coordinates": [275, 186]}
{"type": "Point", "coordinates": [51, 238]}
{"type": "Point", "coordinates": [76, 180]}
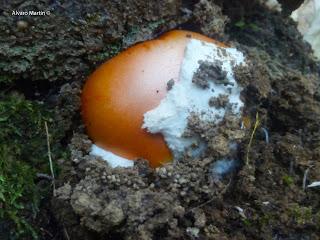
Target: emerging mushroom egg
{"type": "Point", "coordinates": [118, 95]}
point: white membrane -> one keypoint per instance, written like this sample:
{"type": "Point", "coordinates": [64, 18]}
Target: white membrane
{"type": "Point", "coordinates": [314, 184]}
{"type": "Point", "coordinates": [185, 98]}
{"type": "Point", "coordinates": [112, 159]}
{"type": "Point", "coordinates": [222, 167]}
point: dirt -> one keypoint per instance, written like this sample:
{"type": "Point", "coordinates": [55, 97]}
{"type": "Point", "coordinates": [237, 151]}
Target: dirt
{"type": "Point", "coordinates": [210, 72]}
{"type": "Point", "coordinates": [262, 198]}
{"type": "Point", "coordinates": [170, 84]}
{"type": "Point", "coordinates": [219, 102]}
{"type": "Point", "coordinates": [66, 45]}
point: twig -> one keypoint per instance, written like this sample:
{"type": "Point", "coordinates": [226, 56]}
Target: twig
{"type": "Point", "coordinates": [305, 177]}
{"type": "Point", "coordinates": [223, 191]}
{"type": "Point", "coordinates": [66, 233]}
{"type": "Point", "coordinates": [257, 123]}
{"type": "Point", "coordinates": [44, 176]}
{"type": "Point", "coordinates": [266, 134]}
{"type": "Point", "coordinates": [203, 204]}
{"type": "Point", "coordinates": [241, 212]}
{"type": "Point", "coordinates": [47, 232]}
{"type": "Point", "coordinates": [50, 159]}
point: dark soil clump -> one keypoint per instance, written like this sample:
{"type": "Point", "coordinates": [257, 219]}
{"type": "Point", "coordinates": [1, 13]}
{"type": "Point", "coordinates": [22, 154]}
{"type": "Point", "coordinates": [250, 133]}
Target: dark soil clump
{"type": "Point", "coordinates": [210, 72]}
{"type": "Point", "coordinates": [219, 102]}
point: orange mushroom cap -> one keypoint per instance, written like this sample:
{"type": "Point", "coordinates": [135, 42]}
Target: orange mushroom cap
{"type": "Point", "coordinates": [116, 96]}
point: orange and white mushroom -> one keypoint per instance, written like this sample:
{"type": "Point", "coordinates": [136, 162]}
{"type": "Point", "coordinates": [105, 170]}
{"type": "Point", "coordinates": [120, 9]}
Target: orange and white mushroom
{"type": "Point", "coordinates": [121, 99]}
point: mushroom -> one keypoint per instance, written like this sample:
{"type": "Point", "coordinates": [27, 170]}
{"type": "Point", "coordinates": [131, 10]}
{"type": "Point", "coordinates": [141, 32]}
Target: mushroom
{"type": "Point", "coordinates": [116, 96]}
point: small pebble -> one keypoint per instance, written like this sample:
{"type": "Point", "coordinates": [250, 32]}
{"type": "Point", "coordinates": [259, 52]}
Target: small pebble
{"type": "Point", "coordinates": [22, 25]}
{"type": "Point", "coordinates": [193, 231]}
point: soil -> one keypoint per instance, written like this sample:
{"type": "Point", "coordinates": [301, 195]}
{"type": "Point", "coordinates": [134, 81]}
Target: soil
{"type": "Point", "coordinates": [210, 72]}
{"type": "Point", "coordinates": [264, 197]}
{"type": "Point", "coordinates": [219, 102]}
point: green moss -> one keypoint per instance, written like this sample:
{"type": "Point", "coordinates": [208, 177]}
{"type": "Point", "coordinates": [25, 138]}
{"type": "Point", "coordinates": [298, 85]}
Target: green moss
{"type": "Point", "coordinates": [267, 219]}
{"type": "Point", "coordinates": [247, 222]}
{"type": "Point", "coordinates": [18, 193]}
{"type": "Point", "coordinates": [6, 80]}
{"type": "Point", "coordinates": [244, 25]}
{"type": "Point", "coordinates": [156, 24]}
{"type": "Point", "coordinates": [317, 219]}
{"type": "Point", "coordinates": [23, 153]}
{"type": "Point", "coordinates": [287, 180]}
{"type": "Point", "coordinates": [301, 215]}
{"type": "Point", "coordinates": [240, 24]}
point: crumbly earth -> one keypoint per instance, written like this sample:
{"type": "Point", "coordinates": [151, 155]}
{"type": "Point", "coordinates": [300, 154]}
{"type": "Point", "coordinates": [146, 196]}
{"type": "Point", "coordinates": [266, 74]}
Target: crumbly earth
{"type": "Point", "coordinates": [264, 198]}
{"type": "Point", "coordinates": [65, 46]}
{"type": "Point", "coordinates": [219, 102]}
{"type": "Point", "coordinates": [210, 72]}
